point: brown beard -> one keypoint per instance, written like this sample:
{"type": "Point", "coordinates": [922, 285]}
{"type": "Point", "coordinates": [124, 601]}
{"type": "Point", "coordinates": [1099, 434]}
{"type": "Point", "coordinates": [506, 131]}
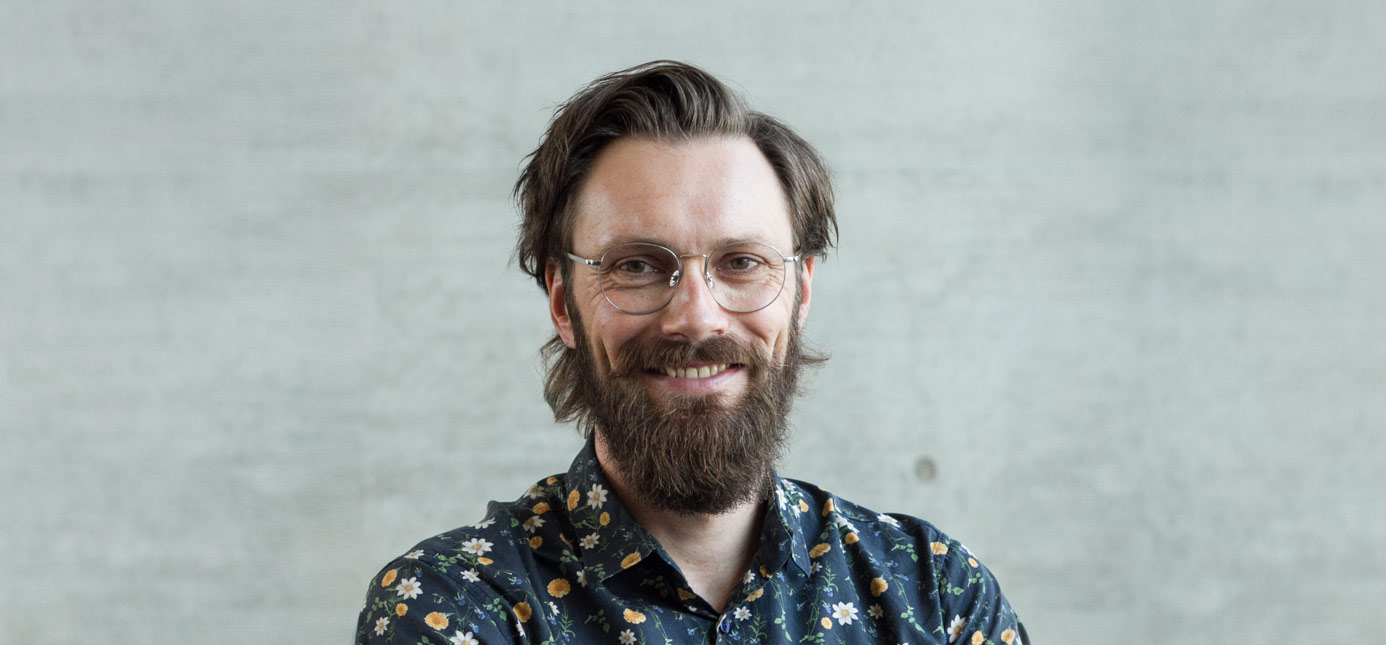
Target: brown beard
{"type": "Point", "coordinates": [692, 454]}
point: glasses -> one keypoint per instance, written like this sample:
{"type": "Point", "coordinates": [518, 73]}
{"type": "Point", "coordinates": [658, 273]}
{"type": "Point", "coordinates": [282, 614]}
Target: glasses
{"type": "Point", "coordinates": [639, 278]}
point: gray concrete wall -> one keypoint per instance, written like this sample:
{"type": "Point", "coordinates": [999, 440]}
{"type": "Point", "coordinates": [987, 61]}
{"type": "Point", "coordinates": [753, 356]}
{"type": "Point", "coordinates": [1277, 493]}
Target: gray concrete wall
{"type": "Point", "coordinates": [1108, 304]}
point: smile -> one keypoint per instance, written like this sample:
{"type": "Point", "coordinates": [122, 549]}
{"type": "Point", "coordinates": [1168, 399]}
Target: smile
{"type": "Point", "coordinates": [704, 371]}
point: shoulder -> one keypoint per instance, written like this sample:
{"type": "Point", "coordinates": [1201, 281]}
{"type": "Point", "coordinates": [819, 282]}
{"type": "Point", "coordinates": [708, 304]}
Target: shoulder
{"type": "Point", "coordinates": [473, 575]}
{"type": "Point", "coordinates": [906, 556]}
{"type": "Point", "coordinates": [901, 544]}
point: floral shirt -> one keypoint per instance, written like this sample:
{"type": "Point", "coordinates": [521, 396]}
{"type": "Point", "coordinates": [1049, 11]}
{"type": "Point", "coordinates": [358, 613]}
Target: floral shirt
{"type": "Point", "coordinates": [566, 563]}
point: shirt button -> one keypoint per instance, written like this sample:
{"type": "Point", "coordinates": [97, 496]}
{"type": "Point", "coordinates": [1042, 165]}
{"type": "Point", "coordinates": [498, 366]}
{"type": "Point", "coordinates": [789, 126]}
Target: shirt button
{"type": "Point", "coordinates": [724, 625]}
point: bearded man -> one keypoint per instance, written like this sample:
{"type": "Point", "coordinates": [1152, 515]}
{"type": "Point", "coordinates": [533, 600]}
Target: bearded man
{"type": "Point", "coordinates": [676, 232]}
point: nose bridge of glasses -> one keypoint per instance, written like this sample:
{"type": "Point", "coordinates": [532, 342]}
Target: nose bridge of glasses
{"type": "Point", "coordinates": [675, 279]}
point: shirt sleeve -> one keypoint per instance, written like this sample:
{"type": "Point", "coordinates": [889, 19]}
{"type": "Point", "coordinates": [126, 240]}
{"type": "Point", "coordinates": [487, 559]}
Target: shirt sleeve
{"type": "Point", "coordinates": [974, 610]}
{"type": "Point", "coordinates": [411, 602]}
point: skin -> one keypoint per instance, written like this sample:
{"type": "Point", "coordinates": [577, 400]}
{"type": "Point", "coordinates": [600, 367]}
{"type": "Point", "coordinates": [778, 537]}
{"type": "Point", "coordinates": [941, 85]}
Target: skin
{"type": "Point", "coordinates": [692, 197]}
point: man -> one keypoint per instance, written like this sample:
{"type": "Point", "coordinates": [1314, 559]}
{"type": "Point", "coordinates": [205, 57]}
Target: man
{"type": "Point", "coordinates": [676, 233]}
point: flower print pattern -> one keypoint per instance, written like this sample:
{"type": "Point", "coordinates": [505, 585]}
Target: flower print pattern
{"type": "Point", "coordinates": [409, 588]}
{"type": "Point", "coordinates": [845, 613]}
{"type": "Point", "coordinates": [566, 563]}
{"type": "Point", "coordinates": [460, 638]}
{"type": "Point", "coordinates": [476, 546]}
{"type": "Point", "coordinates": [955, 628]}
{"type": "Point", "coordinates": [596, 496]}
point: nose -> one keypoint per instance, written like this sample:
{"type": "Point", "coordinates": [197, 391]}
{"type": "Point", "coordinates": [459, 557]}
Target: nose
{"type": "Point", "coordinates": [693, 314]}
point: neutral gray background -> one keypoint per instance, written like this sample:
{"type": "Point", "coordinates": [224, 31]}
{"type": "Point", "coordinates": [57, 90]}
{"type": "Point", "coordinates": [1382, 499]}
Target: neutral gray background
{"type": "Point", "coordinates": [1108, 304]}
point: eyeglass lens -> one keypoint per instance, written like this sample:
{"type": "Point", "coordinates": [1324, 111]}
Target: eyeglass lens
{"type": "Point", "coordinates": [639, 278]}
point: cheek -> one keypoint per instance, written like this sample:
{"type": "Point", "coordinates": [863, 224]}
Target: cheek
{"type": "Point", "coordinates": [609, 332]}
{"type": "Point", "coordinates": [771, 327]}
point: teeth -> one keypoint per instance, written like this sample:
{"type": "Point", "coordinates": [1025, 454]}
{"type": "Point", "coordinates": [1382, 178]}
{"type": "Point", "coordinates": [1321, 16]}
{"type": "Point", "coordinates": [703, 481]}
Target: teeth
{"type": "Point", "coordinates": [695, 372]}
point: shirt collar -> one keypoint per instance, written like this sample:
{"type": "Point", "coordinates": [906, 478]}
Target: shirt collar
{"type": "Point", "coordinates": [789, 522]}
{"type": "Point", "coordinates": [594, 510]}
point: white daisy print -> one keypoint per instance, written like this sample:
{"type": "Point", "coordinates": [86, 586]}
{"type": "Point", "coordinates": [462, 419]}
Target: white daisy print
{"type": "Point", "coordinates": [535, 491]}
{"type": "Point", "coordinates": [532, 524]}
{"type": "Point", "coordinates": [409, 588]}
{"type": "Point", "coordinates": [588, 541]}
{"type": "Point", "coordinates": [888, 520]}
{"type": "Point", "coordinates": [845, 613]}
{"type": "Point", "coordinates": [875, 611]}
{"type": "Point", "coordinates": [414, 555]}
{"type": "Point", "coordinates": [471, 575]}
{"type": "Point", "coordinates": [741, 613]}
{"type": "Point", "coordinates": [749, 577]}
{"type": "Point", "coordinates": [955, 628]}
{"type": "Point", "coordinates": [476, 546]}
{"type": "Point", "coordinates": [596, 496]}
{"type": "Point", "coordinates": [627, 637]}
{"type": "Point", "coordinates": [484, 523]}
{"type": "Point", "coordinates": [380, 626]}
{"type": "Point", "coordinates": [464, 639]}
{"type": "Point", "coordinates": [582, 577]}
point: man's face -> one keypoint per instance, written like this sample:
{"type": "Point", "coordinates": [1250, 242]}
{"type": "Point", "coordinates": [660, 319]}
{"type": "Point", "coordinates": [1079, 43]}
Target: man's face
{"type": "Point", "coordinates": [691, 197]}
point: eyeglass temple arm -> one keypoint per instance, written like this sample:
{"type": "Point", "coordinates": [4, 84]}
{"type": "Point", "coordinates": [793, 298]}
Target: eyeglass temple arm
{"type": "Point", "coordinates": [590, 263]}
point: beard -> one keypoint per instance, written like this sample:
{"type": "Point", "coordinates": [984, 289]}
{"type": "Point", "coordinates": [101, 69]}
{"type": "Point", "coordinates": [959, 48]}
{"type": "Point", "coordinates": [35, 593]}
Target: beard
{"type": "Point", "coordinates": [692, 454]}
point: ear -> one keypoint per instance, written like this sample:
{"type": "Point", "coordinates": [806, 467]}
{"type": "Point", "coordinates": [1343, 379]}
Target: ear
{"type": "Point", "coordinates": [805, 288]}
{"type": "Point", "coordinates": [558, 303]}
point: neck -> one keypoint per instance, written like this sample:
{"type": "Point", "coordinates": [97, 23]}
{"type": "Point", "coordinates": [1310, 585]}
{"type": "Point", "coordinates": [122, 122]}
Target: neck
{"type": "Point", "coordinates": [712, 551]}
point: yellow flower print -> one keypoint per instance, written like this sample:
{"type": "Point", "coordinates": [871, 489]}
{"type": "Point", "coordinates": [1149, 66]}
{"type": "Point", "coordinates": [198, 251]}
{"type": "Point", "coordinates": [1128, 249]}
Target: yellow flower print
{"type": "Point", "coordinates": [551, 481]}
{"type": "Point", "coordinates": [541, 508]}
{"type": "Point", "coordinates": [605, 519]}
{"type": "Point", "coordinates": [764, 572]}
{"type": "Point", "coordinates": [630, 561]}
{"type": "Point", "coordinates": [978, 638]}
{"type": "Point", "coordinates": [523, 612]}
{"type": "Point", "coordinates": [879, 586]}
{"type": "Point", "coordinates": [803, 506]}
{"type": "Point", "coordinates": [828, 507]}
{"type": "Point", "coordinates": [827, 623]}
{"type": "Point", "coordinates": [851, 538]}
{"type": "Point", "coordinates": [1008, 636]}
{"type": "Point", "coordinates": [389, 577]}
{"type": "Point", "coordinates": [973, 562]}
{"type": "Point", "coordinates": [756, 594]}
{"type": "Point", "coordinates": [634, 617]}
{"type": "Point", "coordinates": [559, 588]}
{"type": "Point", "coordinates": [484, 560]}
{"type": "Point", "coordinates": [436, 621]}
{"type": "Point", "coordinates": [938, 548]}
{"type": "Point", "coordinates": [573, 499]}
{"type": "Point", "coordinates": [535, 541]}
{"type": "Point", "coordinates": [401, 609]}
{"type": "Point", "coordinates": [686, 595]}
{"type": "Point", "coordinates": [822, 548]}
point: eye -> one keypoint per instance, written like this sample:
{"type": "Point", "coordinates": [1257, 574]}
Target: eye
{"type": "Point", "coordinates": [742, 262]}
{"type": "Point", "coordinates": [634, 265]}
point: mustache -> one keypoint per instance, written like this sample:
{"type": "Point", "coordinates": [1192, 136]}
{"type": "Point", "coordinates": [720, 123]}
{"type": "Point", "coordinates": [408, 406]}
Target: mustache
{"type": "Point", "coordinates": [654, 354]}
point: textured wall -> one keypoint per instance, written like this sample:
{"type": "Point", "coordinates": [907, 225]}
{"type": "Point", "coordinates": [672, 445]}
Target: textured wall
{"type": "Point", "coordinates": [1108, 304]}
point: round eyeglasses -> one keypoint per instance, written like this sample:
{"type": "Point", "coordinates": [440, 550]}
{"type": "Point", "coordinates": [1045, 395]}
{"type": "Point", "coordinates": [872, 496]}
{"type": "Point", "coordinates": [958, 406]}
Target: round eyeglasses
{"type": "Point", "coordinates": [639, 278]}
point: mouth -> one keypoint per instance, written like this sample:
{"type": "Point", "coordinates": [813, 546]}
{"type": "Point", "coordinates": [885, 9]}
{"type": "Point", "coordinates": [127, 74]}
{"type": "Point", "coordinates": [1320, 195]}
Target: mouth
{"type": "Point", "coordinates": [696, 371]}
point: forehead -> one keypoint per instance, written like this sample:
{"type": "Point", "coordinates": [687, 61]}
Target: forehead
{"type": "Point", "coordinates": [688, 195]}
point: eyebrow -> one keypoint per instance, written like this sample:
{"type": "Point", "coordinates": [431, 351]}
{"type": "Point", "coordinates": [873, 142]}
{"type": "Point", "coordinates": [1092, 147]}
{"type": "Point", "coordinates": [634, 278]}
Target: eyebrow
{"type": "Point", "coordinates": [716, 244]}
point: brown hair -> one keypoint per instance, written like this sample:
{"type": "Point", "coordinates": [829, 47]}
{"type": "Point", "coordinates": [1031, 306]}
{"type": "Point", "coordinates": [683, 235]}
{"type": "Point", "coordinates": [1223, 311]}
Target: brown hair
{"type": "Point", "coordinates": [666, 101]}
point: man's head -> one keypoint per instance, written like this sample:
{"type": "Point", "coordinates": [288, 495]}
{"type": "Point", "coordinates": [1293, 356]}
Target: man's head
{"type": "Point", "coordinates": [690, 397]}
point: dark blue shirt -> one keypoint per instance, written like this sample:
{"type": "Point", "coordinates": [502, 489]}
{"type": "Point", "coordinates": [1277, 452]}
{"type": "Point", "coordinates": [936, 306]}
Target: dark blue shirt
{"type": "Point", "coordinates": [566, 563]}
